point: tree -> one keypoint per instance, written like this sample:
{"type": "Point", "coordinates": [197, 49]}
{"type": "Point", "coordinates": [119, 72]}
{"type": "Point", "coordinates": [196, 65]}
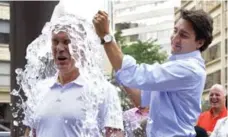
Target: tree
{"type": "Point", "coordinates": [144, 52]}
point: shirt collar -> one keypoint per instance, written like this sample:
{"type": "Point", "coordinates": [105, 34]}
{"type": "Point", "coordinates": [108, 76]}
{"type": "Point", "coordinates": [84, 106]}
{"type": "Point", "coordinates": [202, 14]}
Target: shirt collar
{"type": "Point", "coordinates": [223, 112]}
{"type": "Point", "coordinates": [80, 81]}
{"type": "Point", "coordinates": [194, 54]}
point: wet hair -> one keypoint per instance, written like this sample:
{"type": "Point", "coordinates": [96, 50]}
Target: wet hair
{"type": "Point", "coordinates": [202, 24]}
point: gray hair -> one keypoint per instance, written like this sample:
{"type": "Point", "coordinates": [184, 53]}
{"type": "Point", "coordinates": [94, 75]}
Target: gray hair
{"type": "Point", "coordinates": [219, 87]}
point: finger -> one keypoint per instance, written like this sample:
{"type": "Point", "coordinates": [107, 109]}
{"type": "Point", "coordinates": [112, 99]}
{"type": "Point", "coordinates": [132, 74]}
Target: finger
{"type": "Point", "coordinates": [96, 24]}
{"type": "Point", "coordinates": [103, 13]}
{"type": "Point", "coordinates": [96, 16]}
{"type": "Point", "coordinates": [102, 17]}
{"type": "Point", "coordinates": [95, 21]}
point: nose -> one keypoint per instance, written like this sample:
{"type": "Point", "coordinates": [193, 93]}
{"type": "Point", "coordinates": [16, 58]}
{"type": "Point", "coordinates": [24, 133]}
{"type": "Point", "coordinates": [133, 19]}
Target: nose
{"type": "Point", "coordinates": [213, 96]}
{"type": "Point", "coordinates": [60, 47]}
{"type": "Point", "coordinates": [175, 38]}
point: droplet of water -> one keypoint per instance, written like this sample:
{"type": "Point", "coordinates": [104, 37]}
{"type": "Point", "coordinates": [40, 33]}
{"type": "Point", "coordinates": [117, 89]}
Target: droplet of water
{"type": "Point", "coordinates": [15, 114]}
{"type": "Point", "coordinates": [15, 93]}
{"type": "Point", "coordinates": [18, 71]}
{"type": "Point", "coordinates": [15, 123]}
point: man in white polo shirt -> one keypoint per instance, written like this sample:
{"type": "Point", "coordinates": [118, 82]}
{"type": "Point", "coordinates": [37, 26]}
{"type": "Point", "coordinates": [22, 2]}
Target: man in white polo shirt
{"type": "Point", "coordinates": [74, 103]}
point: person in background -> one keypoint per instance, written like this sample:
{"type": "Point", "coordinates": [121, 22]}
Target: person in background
{"type": "Point", "coordinates": [200, 132]}
{"type": "Point", "coordinates": [221, 127]}
{"type": "Point", "coordinates": [135, 121]}
{"type": "Point", "coordinates": [208, 119]}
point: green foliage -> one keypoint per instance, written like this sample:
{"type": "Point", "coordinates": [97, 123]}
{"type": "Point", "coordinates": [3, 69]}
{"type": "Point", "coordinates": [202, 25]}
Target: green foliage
{"type": "Point", "coordinates": [145, 52]}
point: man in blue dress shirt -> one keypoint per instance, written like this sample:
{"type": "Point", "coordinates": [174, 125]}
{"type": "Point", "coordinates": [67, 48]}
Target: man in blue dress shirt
{"type": "Point", "coordinates": [173, 90]}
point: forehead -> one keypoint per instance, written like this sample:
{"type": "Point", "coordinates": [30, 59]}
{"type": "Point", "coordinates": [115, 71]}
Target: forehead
{"type": "Point", "coordinates": [60, 35]}
{"type": "Point", "coordinates": [215, 91]}
{"type": "Point", "coordinates": [185, 25]}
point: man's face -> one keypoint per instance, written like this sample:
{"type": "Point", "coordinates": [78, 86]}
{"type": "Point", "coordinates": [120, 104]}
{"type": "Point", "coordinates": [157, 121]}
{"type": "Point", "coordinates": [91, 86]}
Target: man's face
{"type": "Point", "coordinates": [61, 54]}
{"type": "Point", "coordinates": [216, 98]}
{"type": "Point", "coordinates": [183, 38]}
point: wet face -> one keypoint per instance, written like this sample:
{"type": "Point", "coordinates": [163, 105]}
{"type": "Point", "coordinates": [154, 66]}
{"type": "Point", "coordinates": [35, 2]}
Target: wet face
{"type": "Point", "coordinates": [216, 98]}
{"type": "Point", "coordinates": [183, 38]}
{"type": "Point", "coordinates": [61, 53]}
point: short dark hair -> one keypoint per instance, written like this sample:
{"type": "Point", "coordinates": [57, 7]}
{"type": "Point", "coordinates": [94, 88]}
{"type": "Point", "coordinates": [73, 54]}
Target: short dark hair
{"type": "Point", "coordinates": [202, 24]}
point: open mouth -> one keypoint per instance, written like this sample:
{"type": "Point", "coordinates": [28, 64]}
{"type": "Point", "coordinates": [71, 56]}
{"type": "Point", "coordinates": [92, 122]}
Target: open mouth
{"type": "Point", "coordinates": [214, 101]}
{"type": "Point", "coordinates": [177, 46]}
{"type": "Point", "coordinates": [61, 58]}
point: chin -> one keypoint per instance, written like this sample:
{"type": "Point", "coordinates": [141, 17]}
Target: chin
{"type": "Point", "coordinates": [174, 52]}
{"type": "Point", "coordinates": [62, 68]}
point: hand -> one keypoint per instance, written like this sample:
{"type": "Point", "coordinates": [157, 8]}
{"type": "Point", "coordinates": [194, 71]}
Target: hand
{"type": "Point", "coordinates": [209, 133]}
{"type": "Point", "coordinates": [101, 24]}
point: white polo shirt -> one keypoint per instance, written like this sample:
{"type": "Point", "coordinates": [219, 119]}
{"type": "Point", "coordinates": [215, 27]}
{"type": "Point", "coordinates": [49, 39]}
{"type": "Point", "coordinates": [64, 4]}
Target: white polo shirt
{"type": "Point", "coordinates": [63, 111]}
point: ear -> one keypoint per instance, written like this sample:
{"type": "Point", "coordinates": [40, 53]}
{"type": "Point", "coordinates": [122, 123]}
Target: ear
{"type": "Point", "coordinates": [200, 43]}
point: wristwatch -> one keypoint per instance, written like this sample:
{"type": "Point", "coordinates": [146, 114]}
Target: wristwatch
{"type": "Point", "coordinates": [107, 39]}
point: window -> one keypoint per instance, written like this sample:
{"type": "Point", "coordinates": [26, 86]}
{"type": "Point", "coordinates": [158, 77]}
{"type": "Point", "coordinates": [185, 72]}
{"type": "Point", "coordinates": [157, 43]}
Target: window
{"type": "Point", "coordinates": [4, 38]}
{"type": "Point", "coordinates": [212, 53]}
{"type": "Point", "coordinates": [164, 34]}
{"type": "Point", "coordinates": [213, 78]}
{"type": "Point", "coordinates": [132, 38]}
{"type": "Point", "coordinates": [216, 24]}
{"type": "Point", "coordinates": [120, 26]}
{"type": "Point", "coordinates": [151, 35]}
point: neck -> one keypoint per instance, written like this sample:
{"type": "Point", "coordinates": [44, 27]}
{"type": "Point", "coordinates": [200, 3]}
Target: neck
{"type": "Point", "coordinates": [65, 78]}
{"type": "Point", "coordinates": [216, 111]}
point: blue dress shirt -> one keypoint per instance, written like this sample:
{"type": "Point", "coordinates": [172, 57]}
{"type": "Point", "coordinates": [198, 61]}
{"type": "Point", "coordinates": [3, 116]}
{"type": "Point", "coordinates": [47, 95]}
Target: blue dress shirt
{"type": "Point", "coordinates": [173, 91]}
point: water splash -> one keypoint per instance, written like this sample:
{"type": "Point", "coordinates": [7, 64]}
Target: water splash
{"type": "Point", "coordinates": [85, 50]}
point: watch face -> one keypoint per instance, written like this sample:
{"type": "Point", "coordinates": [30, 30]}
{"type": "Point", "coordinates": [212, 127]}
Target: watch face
{"type": "Point", "coordinates": [107, 38]}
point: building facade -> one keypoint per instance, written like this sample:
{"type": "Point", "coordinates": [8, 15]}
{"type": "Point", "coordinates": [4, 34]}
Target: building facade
{"type": "Point", "coordinates": [4, 65]}
{"type": "Point", "coordinates": [145, 20]}
{"type": "Point", "coordinates": [216, 56]}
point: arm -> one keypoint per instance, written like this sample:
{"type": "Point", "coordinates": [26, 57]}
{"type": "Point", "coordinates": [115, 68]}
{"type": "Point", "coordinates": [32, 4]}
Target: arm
{"type": "Point", "coordinates": [140, 98]}
{"type": "Point", "coordinates": [113, 132]}
{"type": "Point", "coordinates": [113, 51]}
{"type": "Point", "coordinates": [171, 76]}
{"type": "Point", "coordinates": [134, 95]}
{"type": "Point", "coordinates": [156, 77]}
{"type": "Point", "coordinates": [27, 132]}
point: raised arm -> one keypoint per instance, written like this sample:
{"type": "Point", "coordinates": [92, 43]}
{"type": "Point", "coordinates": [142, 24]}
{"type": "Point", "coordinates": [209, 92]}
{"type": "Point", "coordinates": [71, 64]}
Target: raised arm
{"type": "Point", "coordinates": [154, 77]}
{"type": "Point", "coordinates": [113, 51]}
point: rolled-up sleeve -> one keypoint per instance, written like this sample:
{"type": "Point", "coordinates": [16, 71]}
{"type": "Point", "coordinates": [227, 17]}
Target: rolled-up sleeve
{"type": "Point", "coordinates": [170, 76]}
